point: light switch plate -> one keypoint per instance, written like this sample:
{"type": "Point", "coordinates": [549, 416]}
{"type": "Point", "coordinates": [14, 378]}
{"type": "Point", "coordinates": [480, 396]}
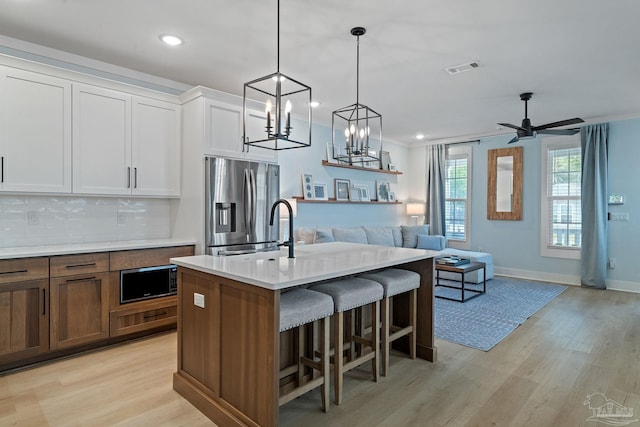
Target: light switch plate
{"type": "Point", "coordinates": [198, 300]}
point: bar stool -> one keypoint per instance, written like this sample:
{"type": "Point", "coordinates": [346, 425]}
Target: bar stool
{"type": "Point", "coordinates": [348, 294]}
{"type": "Point", "coordinates": [396, 281]}
{"type": "Point", "coordinates": [298, 308]}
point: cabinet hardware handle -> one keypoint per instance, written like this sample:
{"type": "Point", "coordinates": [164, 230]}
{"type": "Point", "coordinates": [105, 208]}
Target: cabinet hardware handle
{"type": "Point", "coordinates": [135, 177]}
{"type": "Point", "coordinates": [2, 169]}
{"type": "Point", "coordinates": [151, 316]}
{"type": "Point", "coordinates": [81, 279]}
{"type": "Point", "coordinates": [44, 302]}
{"type": "Point", "coordinates": [14, 272]}
{"type": "Point", "coordinates": [91, 264]}
{"type": "Point", "coordinates": [129, 177]}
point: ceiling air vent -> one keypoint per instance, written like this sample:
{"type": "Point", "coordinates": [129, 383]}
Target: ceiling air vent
{"type": "Point", "coordinates": [457, 69]}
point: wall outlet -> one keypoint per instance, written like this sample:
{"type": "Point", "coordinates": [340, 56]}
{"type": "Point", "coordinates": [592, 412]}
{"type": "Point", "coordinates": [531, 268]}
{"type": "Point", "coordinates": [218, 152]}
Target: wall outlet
{"type": "Point", "coordinates": [612, 263]}
{"type": "Point", "coordinates": [198, 300]}
{"type": "Point", "coordinates": [33, 218]}
{"type": "Point", "coordinates": [122, 218]}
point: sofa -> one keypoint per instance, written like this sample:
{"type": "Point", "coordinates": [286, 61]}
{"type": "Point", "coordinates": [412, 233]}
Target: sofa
{"type": "Point", "coordinates": [399, 236]}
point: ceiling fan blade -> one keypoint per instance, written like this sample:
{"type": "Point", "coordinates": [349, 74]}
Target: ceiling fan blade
{"type": "Point", "coordinates": [560, 123]}
{"type": "Point", "coordinates": [509, 125]}
{"type": "Point", "coordinates": [559, 131]}
{"type": "Point", "coordinates": [515, 139]}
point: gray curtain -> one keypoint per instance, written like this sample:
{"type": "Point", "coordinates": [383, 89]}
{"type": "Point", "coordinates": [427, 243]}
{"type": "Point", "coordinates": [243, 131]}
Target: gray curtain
{"type": "Point", "coordinates": [436, 156]}
{"type": "Point", "coordinates": [593, 254]}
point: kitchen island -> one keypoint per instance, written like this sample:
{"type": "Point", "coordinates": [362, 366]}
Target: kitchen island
{"type": "Point", "coordinates": [228, 320]}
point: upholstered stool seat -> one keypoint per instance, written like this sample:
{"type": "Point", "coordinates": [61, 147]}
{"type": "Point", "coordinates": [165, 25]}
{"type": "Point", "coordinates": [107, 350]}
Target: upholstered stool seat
{"type": "Point", "coordinates": [348, 294]}
{"type": "Point", "coordinates": [396, 281]}
{"type": "Point", "coordinates": [299, 307]}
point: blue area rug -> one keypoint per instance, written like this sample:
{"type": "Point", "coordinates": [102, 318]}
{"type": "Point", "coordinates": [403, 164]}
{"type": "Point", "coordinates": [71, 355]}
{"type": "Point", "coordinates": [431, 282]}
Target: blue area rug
{"type": "Point", "coordinates": [484, 321]}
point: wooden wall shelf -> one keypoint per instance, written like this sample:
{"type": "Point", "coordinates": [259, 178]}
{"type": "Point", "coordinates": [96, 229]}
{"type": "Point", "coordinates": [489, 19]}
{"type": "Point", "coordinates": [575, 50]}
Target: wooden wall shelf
{"type": "Point", "coordinates": [300, 199]}
{"type": "Point", "coordinates": [339, 165]}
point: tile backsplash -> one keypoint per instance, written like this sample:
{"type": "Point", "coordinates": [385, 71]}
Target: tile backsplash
{"type": "Point", "coordinates": [46, 220]}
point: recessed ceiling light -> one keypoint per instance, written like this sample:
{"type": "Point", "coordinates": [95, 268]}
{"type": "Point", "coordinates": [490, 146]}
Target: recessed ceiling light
{"type": "Point", "coordinates": [420, 136]}
{"type": "Point", "coordinates": [171, 40]}
{"type": "Point", "coordinates": [314, 104]}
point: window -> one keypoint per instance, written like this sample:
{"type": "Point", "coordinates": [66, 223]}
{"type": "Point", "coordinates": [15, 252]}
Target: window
{"type": "Point", "coordinates": [457, 190]}
{"type": "Point", "coordinates": [561, 198]}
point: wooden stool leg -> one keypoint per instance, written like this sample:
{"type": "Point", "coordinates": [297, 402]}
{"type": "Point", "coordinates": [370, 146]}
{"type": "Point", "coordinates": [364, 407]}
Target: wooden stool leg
{"type": "Point", "coordinates": [325, 344]}
{"type": "Point", "coordinates": [386, 325]}
{"type": "Point", "coordinates": [375, 338]}
{"type": "Point", "coordinates": [302, 341]}
{"type": "Point", "coordinates": [413, 318]}
{"type": "Point", "coordinates": [338, 346]}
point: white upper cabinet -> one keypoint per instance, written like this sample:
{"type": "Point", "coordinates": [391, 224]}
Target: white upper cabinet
{"type": "Point", "coordinates": [35, 132]}
{"type": "Point", "coordinates": [224, 132]}
{"type": "Point", "coordinates": [124, 144]}
{"type": "Point", "coordinates": [156, 147]}
{"type": "Point", "coordinates": [101, 141]}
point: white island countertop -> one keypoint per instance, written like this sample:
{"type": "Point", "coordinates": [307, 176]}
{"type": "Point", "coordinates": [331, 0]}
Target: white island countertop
{"type": "Point", "coordinates": [312, 263]}
{"type": "Point", "coordinates": [78, 248]}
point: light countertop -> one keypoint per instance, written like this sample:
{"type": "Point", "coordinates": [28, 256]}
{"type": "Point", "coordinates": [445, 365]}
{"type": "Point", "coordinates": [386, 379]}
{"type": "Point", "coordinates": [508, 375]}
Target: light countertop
{"type": "Point", "coordinates": [78, 248]}
{"type": "Point", "coordinates": [312, 263]}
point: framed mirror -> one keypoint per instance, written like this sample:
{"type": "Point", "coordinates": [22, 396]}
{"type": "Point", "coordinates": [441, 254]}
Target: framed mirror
{"type": "Point", "coordinates": [504, 184]}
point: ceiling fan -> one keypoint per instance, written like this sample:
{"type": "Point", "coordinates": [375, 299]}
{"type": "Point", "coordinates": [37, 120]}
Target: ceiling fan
{"type": "Point", "coordinates": [526, 131]}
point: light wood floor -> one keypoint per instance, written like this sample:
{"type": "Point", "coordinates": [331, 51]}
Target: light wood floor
{"type": "Point", "coordinates": [584, 341]}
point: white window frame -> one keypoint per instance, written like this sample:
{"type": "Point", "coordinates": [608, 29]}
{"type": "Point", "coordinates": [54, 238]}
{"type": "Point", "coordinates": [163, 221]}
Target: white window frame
{"type": "Point", "coordinates": [553, 143]}
{"type": "Point", "coordinates": [462, 151]}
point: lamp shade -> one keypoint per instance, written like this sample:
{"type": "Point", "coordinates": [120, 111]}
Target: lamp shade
{"type": "Point", "coordinates": [415, 209]}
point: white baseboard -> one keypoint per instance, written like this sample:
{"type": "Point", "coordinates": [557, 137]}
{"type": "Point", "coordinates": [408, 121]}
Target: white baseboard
{"type": "Point", "coordinates": [565, 279]}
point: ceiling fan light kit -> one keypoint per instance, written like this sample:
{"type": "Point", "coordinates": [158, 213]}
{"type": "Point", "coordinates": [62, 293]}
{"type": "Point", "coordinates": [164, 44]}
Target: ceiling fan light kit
{"type": "Point", "coordinates": [526, 131]}
{"type": "Point", "coordinates": [356, 127]}
{"type": "Point", "coordinates": [282, 95]}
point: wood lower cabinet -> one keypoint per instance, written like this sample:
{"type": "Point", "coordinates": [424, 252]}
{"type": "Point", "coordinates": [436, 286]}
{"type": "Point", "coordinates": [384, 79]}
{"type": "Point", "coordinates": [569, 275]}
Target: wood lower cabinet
{"type": "Point", "coordinates": [24, 313]}
{"type": "Point", "coordinates": [79, 300]}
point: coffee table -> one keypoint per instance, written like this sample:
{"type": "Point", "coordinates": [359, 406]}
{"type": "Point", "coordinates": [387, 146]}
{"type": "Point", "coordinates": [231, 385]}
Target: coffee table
{"type": "Point", "coordinates": [462, 269]}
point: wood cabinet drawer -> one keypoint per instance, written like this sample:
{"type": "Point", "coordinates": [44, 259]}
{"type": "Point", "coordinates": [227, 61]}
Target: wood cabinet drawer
{"type": "Point", "coordinates": [138, 258]}
{"type": "Point", "coordinates": [20, 270]}
{"type": "Point", "coordinates": [143, 316]}
{"type": "Point", "coordinates": [71, 265]}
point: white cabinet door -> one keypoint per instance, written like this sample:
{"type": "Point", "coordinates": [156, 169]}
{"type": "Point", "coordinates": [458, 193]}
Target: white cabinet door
{"type": "Point", "coordinates": [223, 129]}
{"type": "Point", "coordinates": [35, 132]}
{"type": "Point", "coordinates": [156, 148]}
{"type": "Point", "coordinates": [101, 141]}
{"type": "Point", "coordinates": [256, 126]}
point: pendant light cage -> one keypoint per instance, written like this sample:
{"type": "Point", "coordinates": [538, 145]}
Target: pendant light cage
{"type": "Point", "coordinates": [282, 95]}
{"type": "Point", "coordinates": [356, 130]}
{"type": "Point", "coordinates": [275, 128]}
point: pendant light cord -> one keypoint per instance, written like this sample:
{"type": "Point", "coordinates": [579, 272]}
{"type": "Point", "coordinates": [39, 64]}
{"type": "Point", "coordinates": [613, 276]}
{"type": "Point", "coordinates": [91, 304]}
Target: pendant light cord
{"type": "Point", "coordinates": [278, 38]}
{"type": "Point", "coordinates": [357, 69]}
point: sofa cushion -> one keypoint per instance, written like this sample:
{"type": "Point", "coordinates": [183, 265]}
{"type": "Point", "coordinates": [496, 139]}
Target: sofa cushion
{"type": "Point", "coordinates": [397, 235]}
{"type": "Point", "coordinates": [306, 235]}
{"type": "Point", "coordinates": [410, 234]}
{"type": "Point", "coordinates": [379, 236]}
{"type": "Point", "coordinates": [351, 235]}
{"type": "Point", "coordinates": [434, 243]}
{"type": "Point", "coordinates": [324, 236]}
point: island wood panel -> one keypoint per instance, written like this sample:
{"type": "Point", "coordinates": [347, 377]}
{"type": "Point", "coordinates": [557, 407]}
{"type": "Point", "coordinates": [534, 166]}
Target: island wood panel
{"type": "Point", "coordinates": [228, 351]}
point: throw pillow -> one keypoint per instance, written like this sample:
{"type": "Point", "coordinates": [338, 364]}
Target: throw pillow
{"type": "Point", "coordinates": [306, 235]}
{"type": "Point", "coordinates": [324, 236]}
{"type": "Point", "coordinates": [433, 243]}
{"type": "Point", "coordinates": [410, 234]}
{"type": "Point", "coordinates": [379, 236]}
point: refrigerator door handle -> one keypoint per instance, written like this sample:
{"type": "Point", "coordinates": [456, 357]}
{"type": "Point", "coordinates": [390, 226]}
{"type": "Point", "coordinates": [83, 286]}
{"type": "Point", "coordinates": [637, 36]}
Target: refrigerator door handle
{"type": "Point", "coordinates": [248, 201]}
{"type": "Point", "coordinates": [254, 197]}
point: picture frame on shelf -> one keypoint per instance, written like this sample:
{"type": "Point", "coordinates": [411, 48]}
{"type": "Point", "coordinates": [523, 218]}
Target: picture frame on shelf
{"type": "Point", "coordinates": [385, 160]}
{"type": "Point", "coordinates": [307, 186]}
{"type": "Point", "coordinates": [392, 197]}
{"type": "Point", "coordinates": [392, 167]}
{"type": "Point", "coordinates": [364, 193]}
{"type": "Point", "coordinates": [330, 149]}
{"type": "Point", "coordinates": [341, 187]}
{"type": "Point", "coordinates": [355, 194]}
{"type": "Point", "coordinates": [382, 191]}
{"type": "Point", "coordinates": [320, 191]}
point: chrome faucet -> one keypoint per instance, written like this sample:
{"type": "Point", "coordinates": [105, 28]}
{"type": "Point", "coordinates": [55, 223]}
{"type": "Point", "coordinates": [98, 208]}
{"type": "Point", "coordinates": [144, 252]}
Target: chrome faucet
{"type": "Point", "coordinates": [289, 242]}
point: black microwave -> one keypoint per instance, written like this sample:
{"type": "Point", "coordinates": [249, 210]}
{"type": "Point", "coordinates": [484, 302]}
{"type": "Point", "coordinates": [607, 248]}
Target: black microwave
{"type": "Point", "coordinates": [149, 282]}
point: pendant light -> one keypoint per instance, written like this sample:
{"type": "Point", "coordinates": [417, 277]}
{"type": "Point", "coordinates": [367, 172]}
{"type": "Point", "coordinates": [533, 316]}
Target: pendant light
{"type": "Point", "coordinates": [358, 126]}
{"type": "Point", "coordinates": [280, 97]}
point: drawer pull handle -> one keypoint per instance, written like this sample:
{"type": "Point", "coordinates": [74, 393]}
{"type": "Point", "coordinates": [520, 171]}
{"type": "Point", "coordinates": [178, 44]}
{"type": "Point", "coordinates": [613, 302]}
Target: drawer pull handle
{"type": "Point", "coordinates": [151, 316]}
{"type": "Point", "coordinates": [91, 264]}
{"type": "Point", "coordinates": [81, 279]}
{"type": "Point", "coordinates": [14, 272]}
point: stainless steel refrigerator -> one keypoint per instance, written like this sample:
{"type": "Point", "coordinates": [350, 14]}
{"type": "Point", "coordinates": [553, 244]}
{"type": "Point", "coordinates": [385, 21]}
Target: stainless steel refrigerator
{"type": "Point", "coordinates": [238, 200]}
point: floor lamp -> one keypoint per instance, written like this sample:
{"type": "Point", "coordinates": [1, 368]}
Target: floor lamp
{"type": "Point", "coordinates": [415, 210]}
